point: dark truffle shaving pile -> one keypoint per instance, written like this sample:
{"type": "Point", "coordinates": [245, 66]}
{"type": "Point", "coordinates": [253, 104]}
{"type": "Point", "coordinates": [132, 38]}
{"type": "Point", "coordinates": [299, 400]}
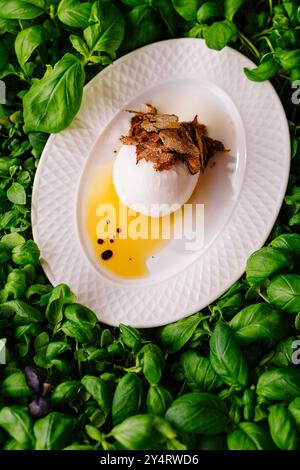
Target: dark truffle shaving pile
{"type": "Point", "coordinates": [163, 140]}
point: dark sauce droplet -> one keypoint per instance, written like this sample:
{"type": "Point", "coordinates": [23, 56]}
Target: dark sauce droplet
{"type": "Point", "coordinates": [111, 240]}
{"type": "Point", "coordinates": [107, 254]}
{"type": "Point", "coordinates": [119, 230]}
{"type": "Point", "coordinates": [100, 241]}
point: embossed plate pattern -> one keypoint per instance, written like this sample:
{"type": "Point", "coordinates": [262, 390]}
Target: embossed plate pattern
{"type": "Point", "coordinates": [260, 198]}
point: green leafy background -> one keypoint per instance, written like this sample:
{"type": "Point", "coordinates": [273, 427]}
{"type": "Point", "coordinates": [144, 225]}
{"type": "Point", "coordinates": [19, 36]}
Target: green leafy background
{"type": "Point", "coordinates": [223, 378]}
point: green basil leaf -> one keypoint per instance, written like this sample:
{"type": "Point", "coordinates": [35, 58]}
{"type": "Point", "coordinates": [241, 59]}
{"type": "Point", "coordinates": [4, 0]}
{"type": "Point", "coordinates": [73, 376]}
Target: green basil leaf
{"type": "Point", "coordinates": [27, 41]}
{"type": "Point", "coordinates": [60, 296]}
{"type": "Point", "coordinates": [220, 33]}
{"type": "Point", "coordinates": [265, 262]}
{"type": "Point", "coordinates": [147, 437]}
{"type": "Point", "coordinates": [168, 15]}
{"type": "Point", "coordinates": [143, 27]}
{"type": "Point", "coordinates": [24, 313]}
{"type": "Point", "coordinates": [15, 386]}
{"type": "Point", "coordinates": [152, 363]}
{"type": "Point", "coordinates": [130, 337]}
{"type": "Point", "coordinates": [5, 253]}
{"type": "Point", "coordinates": [74, 13]}
{"type": "Point", "coordinates": [249, 436]}
{"type": "Point", "coordinates": [258, 321]}
{"type": "Point", "coordinates": [99, 391]}
{"type": "Point", "coordinates": [27, 253]}
{"type": "Point", "coordinates": [11, 240]}
{"type": "Point", "coordinates": [107, 31]}
{"type": "Point", "coordinates": [16, 193]}
{"type": "Point", "coordinates": [17, 424]}
{"type": "Point", "coordinates": [65, 392]}
{"type": "Point", "coordinates": [208, 10]}
{"type": "Point", "coordinates": [199, 413]}
{"type": "Point", "coordinates": [79, 313]}
{"type": "Point", "coordinates": [158, 400]}
{"type": "Point", "coordinates": [199, 373]}
{"type": "Point", "coordinates": [288, 59]}
{"type": "Point", "coordinates": [128, 398]}
{"type": "Point", "coordinates": [174, 336]}
{"type": "Point", "coordinates": [80, 332]}
{"type": "Point", "coordinates": [80, 45]}
{"type": "Point", "coordinates": [288, 241]}
{"type": "Point", "coordinates": [264, 71]}
{"type": "Point", "coordinates": [284, 352]}
{"type": "Point", "coordinates": [226, 357]}
{"type": "Point", "coordinates": [53, 431]}
{"type": "Point", "coordinates": [187, 8]}
{"type": "Point", "coordinates": [294, 409]}
{"type": "Point", "coordinates": [231, 7]}
{"type": "Point", "coordinates": [281, 384]}
{"type": "Point", "coordinates": [282, 427]}
{"type": "Point", "coordinates": [284, 293]}
{"type": "Point", "coordinates": [52, 102]}
{"type": "Point", "coordinates": [21, 9]}
{"type": "Point", "coordinates": [55, 349]}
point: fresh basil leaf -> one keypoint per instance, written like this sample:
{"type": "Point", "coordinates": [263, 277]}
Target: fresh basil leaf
{"type": "Point", "coordinates": [77, 312]}
{"type": "Point", "coordinates": [217, 442]}
{"type": "Point", "coordinates": [282, 427]}
{"type": "Point", "coordinates": [16, 422]}
{"type": "Point", "coordinates": [187, 8]}
{"type": "Point", "coordinates": [74, 13]}
{"type": "Point", "coordinates": [10, 240]}
{"type": "Point", "coordinates": [174, 336]}
{"type": "Point", "coordinates": [55, 349]}
{"type": "Point", "coordinates": [288, 59]}
{"type": "Point", "coordinates": [258, 321]}
{"type": "Point", "coordinates": [16, 194]}
{"type": "Point", "coordinates": [227, 358]}
{"type": "Point", "coordinates": [284, 293]}
{"type": "Point", "coordinates": [80, 45]}
{"type": "Point", "coordinates": [249, 436]}
{"type": "Point", "coordinates": [147, 437]}
{"type": "Point", "coordinates": [231, 7]}
{"type": "Point", "coordinates": [265, 262]}
{"type": "Point", "coordinates": [294, 409]}
{"type": "Point", "coordinates": [99, 391]}
{"type": "Point", "coordinates": [60, 296]}
{"type": "Point", "coordinates": [158, 400]}
{"type": "Point", "coordinates": [127, 399]}
{"type": "Point", "coordinates": [53, 431]}
{"type": "Point", "coordinates": [5, 253]}
{"type": "Point", "coordinates": [24, 313]}
{"type": "Point", "coordinates": [21, 9]}
{"type": "Point", "coordinates": [281, 384]}
{"type": "Point", "coordinates": [152, 362]}
{"type": "Point", "coordinates": [264, 71]}
{"type": "Point", "coordinates": [199, 413]}
{"type": "Point", "coordinates": [130, 337]}
{"type": "Point", "coordinates": [65, 392]}
{"type": "Point", "coordinates": [15, 386]}
{"type": "Point", "coordinates": [143, 27]}
{"type": "Point", "coordinates": [220, 33]}
{"type": "Point", "coordinates": [208, 10]}
{"type": "Point", "coordinates": [107, 31]}
{"type": "Point", "coordinates": [168, 15]}
{"type": "Point", "coordinates": [52, 102]}
{"type": "Point", "coordinates": [27, 253]}
{"type": "Point", "coordinates": [27, 41]}
{"type": "Point", "coordinates": [288, 241]}
{"type": "Point", "coordinates": [80, 332]}
{"type": "Point", "coordinates": [199, 373]}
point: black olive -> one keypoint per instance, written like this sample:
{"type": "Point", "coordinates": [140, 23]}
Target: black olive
{"type": "Point", "coordinates": [39, 407]}
{"type": "Point", "coordinates": [34, 379]}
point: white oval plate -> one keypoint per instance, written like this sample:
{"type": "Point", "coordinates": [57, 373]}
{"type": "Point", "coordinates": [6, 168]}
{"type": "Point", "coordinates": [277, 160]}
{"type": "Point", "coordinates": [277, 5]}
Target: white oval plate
{"type": "Point", "coordinates": [242, 196]}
